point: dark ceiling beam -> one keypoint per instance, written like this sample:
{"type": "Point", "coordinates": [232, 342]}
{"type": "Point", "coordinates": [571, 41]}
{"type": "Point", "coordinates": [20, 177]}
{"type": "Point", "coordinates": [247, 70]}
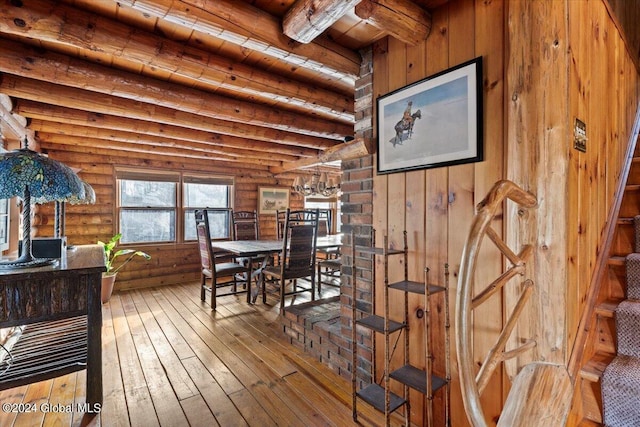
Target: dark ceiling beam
{"type": "Point", "coordinates": [307, 19]}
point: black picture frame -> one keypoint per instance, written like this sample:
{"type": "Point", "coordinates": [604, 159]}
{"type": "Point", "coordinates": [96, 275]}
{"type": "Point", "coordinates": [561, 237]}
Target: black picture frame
{"type": "Point", "coordinates": [432, 123]}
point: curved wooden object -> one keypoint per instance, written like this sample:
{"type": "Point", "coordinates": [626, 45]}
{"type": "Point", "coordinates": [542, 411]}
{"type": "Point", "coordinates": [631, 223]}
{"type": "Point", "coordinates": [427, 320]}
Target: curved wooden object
{"type": "Point", "coordinates": [541, 392]}
{"type": "Point", "coordinates": [471, 386]}
{"type": "Point", "coordinates": [540, 396]}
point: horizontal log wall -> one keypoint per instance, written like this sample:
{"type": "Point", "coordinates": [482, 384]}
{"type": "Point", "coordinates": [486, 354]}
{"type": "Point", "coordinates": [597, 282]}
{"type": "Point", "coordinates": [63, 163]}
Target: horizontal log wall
{"type": "Point", "coordinates": [170, 263]}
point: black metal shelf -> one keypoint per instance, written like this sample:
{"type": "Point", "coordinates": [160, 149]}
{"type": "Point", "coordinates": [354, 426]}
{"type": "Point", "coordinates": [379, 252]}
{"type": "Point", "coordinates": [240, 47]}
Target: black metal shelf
{"type": "Point", "coordinates": [376, 323]}
{"type": "Point", "coordinates": [378, 251]}
{"type": "Point", "coordinates": [417, 379]}
{"type": "Point", "coordinates": [415, 287]}
{"type": "Point", "coordinates": [407, 376]}
{"type": "Point", "coordinates": [373, 394]}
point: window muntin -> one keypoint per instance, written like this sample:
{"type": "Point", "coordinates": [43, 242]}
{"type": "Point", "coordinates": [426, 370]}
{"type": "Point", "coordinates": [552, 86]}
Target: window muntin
{"type": "Point", "coordinates": [159, 207]}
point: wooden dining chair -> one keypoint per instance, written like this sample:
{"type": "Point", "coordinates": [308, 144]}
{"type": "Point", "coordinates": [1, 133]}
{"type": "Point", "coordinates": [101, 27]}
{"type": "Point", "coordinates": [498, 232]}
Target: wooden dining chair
{"type": "Point", "coordinates": [332, 268]}
{"type": "Point", "coordinates": [324, 222]}
{"type": "Point", "coordinates": [297, 259]}
{"type": "Point", "coordinates": [324, 229]}
{"type": "Point", "coordinates": [245, 225]}
{"type": "Point", "coordinates": [281, 216]}
{"type": "Point", "coordinates": [218, 267]}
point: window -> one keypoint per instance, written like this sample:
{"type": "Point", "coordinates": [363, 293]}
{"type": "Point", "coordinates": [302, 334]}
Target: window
{"type": "Point", "coordinates": [157, 207]}
{"type": "Point", "coordinates": [4, 224]}
{"type": "Point", "coordinates": [330, 203]}
{"type": "Point", "coordinates": [200, 193]}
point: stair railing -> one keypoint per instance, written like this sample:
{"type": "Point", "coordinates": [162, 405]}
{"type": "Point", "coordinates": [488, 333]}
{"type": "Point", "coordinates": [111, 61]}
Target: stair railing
{"type": "Point", "coordinates": [584, 330]}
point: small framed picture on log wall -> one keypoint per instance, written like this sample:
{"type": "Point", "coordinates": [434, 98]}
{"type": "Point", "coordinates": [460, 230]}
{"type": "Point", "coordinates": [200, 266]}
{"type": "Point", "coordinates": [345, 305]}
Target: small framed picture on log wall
{"type": "Point", "coordinates": [432, 123]}
{"type": "Point", "coordinates": [272, 199]}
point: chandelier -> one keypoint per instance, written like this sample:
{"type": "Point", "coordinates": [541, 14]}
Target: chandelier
{"type": "Point", "coordinates": [319, 184]}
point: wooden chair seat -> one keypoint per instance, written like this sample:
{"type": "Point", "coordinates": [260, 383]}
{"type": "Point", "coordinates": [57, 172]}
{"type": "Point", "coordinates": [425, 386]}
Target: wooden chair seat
{"type": "Point", "coordinates": [226, 269]}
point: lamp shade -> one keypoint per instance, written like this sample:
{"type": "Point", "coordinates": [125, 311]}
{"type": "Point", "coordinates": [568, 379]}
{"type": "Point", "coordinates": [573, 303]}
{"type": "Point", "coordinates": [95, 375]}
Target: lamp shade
{"type": "Point", "coordinates": [46, 179]}
{"type": "Point", "coordinates": [88, 199]}
{"type": "Point", "coordinates": [25, 173]}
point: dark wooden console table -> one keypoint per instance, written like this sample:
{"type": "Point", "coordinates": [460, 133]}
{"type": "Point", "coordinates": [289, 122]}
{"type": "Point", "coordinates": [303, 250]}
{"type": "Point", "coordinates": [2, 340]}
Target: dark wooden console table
{"type": "Point", "coordinates": [61, 309]}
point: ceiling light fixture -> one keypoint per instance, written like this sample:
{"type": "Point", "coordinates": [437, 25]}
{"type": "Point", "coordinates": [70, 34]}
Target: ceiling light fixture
{"type": "Point", "coordinates": [319, 184]}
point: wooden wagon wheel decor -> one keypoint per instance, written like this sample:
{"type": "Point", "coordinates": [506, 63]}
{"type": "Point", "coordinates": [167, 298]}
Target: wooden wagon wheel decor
{"type": "Point", "coordinates": [472, 387]}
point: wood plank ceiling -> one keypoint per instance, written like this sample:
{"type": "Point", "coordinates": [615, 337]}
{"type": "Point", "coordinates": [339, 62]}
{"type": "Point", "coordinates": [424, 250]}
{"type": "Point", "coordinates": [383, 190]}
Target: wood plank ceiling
{"type": "Point", "coordinates": [196, 78]}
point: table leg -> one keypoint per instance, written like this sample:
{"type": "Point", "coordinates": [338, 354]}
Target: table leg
{"type": "Point", "coordinates": [94, 346]}
{"type": "Point", "coordinates": [257, 273]}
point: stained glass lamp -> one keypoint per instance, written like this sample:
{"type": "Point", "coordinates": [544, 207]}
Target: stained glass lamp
{"type": "Point", "coordinates": [26, 174]}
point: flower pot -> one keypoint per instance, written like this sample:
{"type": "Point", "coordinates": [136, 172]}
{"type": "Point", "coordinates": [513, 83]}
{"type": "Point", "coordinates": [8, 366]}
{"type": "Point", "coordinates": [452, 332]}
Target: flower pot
{"type": "Point", "coordinates": [107, 286]}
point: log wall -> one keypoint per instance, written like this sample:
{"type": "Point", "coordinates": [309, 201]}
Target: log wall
{"type": "Point", "coordinates": [170, 263]}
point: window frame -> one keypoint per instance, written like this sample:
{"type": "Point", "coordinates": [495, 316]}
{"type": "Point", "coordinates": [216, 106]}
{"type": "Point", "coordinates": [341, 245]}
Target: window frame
{"type": "Point", "coordinates": [5, 219]}
{"type": "Point", "coordinates": [181, 178]}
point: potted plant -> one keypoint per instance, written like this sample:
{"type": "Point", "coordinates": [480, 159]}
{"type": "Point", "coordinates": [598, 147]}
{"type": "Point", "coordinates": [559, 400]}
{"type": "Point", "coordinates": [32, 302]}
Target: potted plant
{"type": "Point", "coordinates": [110, 256]}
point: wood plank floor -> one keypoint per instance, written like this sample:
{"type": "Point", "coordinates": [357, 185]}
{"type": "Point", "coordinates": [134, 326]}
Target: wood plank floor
{"type": "Point", "coordinates": [169, 360]}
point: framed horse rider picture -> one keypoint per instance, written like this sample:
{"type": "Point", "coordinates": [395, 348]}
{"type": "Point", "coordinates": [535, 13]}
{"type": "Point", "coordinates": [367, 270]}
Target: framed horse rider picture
{"type": "Point", "coordinates": [432, 123]}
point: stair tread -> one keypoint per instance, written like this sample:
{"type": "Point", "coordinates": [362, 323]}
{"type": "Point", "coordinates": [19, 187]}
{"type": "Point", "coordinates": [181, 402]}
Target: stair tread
{"type": "Point", "coordinates": [607, 308]}
{"type": "Point", "coordinates": [617, 260]}
{"type": "Point", "coordinates": [625, 220]}
{"type": "Point", "coordinates": [593, 369]}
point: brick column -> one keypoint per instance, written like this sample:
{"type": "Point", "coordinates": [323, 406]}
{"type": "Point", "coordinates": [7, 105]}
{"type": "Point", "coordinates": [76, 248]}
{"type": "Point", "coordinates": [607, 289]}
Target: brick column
{"type": "Point", "coordinates": [323, 328]}
{"type": "Point", "coordinates": [357, 216]}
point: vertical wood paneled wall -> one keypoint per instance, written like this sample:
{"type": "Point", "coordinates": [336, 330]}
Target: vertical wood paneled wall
{"type": "Point", "coordinates": [170, 263]}
{"type": "Point", "coordinates": [436, 206]}
{"type": "Point", "coordinates": [583, 72]}
{"type": "Point", "coordinates": [604, 92]}
{"type": "Point", "coordinates": [545, 64]}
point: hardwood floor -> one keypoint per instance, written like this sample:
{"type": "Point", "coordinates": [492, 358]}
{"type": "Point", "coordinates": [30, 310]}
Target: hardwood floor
{"type": "Point", "coordinates": [169, 360]}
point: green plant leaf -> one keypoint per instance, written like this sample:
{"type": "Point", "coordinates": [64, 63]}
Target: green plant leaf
{"type": "Point", "coordinates": [111, 254]}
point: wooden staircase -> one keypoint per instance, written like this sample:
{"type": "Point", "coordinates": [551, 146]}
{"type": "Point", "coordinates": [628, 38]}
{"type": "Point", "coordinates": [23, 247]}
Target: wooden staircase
{"type": "Point", "coordinates": [600, 346]}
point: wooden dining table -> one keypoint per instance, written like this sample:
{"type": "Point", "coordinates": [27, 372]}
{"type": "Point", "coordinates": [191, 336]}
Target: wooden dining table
{"type": "Point", "coordinates": [261, 249]}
